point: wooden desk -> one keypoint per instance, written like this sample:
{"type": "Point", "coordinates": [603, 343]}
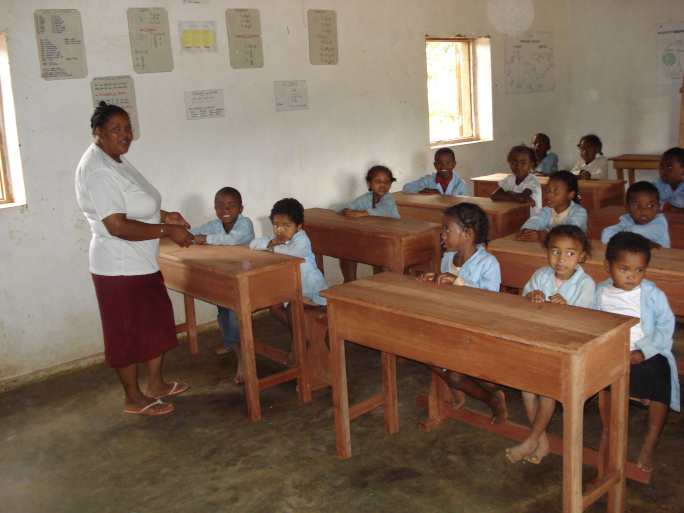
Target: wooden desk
{"type": "Point", "coordinates": [243, 280]}
{"type": "Point", "coordinates": [521, 345]}
{"type": "Point", "coordinates": [519, 260]}
{"type": "Point", "coordinates": [599, 220]}
{"type": "Point", "coordinates": [594, 194]}
{"type": "Point", "coordinates": [378, 241]}
{"type": "Point", "coordinates": [630, 162]}
{"type": "Point", "coordinates": [505, 217]}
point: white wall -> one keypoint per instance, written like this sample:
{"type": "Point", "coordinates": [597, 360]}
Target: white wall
{"type": "Point", "coordinates": [370, 108]}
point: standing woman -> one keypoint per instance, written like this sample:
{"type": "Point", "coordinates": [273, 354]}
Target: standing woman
{"type": "Point", "coordinates": [123, 210]}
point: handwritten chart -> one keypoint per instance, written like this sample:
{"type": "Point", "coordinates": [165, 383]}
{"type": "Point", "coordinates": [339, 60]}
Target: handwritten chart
{"type": "Point", "coordinates": [61, 50]}
{"type": "Point", "coordinates": [204, 104]}
{"type": "Point", "coordinates": [117, 91]}
{"type": "Point", "coordinates": [148, 30]}
{"type": "Point", "coordinates": [197, 36]}
{"type": "Point", "coordinates": [323, 47]}
{"type": "Point", "coordinates": [244, 38]}
{"type": "Point", "coordinates": [291, 95]}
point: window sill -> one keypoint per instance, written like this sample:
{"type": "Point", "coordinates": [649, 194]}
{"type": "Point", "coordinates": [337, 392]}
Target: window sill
{"type": "Point", "coordinates": [457, 142]}
{"type": "Point", "coordinates": [11, 205]}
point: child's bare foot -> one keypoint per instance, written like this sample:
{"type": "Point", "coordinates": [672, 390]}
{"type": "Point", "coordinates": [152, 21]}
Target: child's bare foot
{"type": "Point", "coordinates": [239, 378]}
{"type": "Point", "coordinates": [646, 459]}
{"type": "Point", "coordinates": [498, 406]}
{"type": "Point", "coordinates": [518, 452]}
{"type": "Point", "coordinates": [540, 452]}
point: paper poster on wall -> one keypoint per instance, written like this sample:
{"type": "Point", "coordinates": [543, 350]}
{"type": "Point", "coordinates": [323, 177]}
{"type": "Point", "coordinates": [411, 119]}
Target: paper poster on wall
{"type": "Point", "coordinates": [197, 36]}
{"type": "Point", "coordinates": [670, 53]}
{"type": "Point", "coordinates": [204, 104]}
{"type": "Point", "coordinates": [61, 50]}
{"type": "Point", "coordinates": [323, 47]}
{"type": "Point", "coordinates": [244, 38]}
{"type": "Point", "coordinates": [291, 95]}
{"type": "Point", "coordinates": [148, 30]}
{"type": "Point", "coordinates": [529, 62]}
{"type": "Point", "coordinates": [196, 1]}
{"type": "Point", "coordinates": [118, 91]}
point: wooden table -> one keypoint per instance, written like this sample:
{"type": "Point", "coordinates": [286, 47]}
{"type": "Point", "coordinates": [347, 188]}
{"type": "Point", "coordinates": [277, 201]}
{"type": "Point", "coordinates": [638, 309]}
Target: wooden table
{"type": "Point", "coordinates": [594, 194]}
{"type": "Point", "coordinates": [505, 217]}
{"type": "Point", "coordinates": [243, 280]}
{"type": "Point", "coordinates": [519, 260]}
{"type": "Point", "coordinates": [378, 241]}
{"type": "Point", "coordinates": [599, 220]}
{"type": "Point", "coordinates": [630, 162]}
{"type": "Point", "coordinates": [497, 337]}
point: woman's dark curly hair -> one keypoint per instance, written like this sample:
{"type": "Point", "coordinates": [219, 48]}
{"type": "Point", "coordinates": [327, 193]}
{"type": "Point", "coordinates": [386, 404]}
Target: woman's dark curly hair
{"type": "Point", "coordinates": [470, 216]}
{"type": "Point", "coordinates": [103, 112]}
{"type": "Point", "coordinates": [289, 207]}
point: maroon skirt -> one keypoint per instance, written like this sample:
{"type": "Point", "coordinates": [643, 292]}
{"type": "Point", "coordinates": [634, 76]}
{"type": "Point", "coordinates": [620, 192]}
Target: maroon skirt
{"type": "Point", "coordinates": [137, 318]}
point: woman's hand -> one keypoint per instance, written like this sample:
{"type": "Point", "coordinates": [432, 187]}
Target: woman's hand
{"type": "Point", "coordinates": [173, 218]}
{"type": "Point", "coordinates": [536, 296]}
{"type": "Point", "coordinates": [179, 235]}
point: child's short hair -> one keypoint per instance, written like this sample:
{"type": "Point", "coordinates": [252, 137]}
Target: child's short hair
{"type": "Point", "coordinates": [570, 182]}
{"type": "Point", "coordinates": [593, 140]}
{"type": "Point", "coordinates": [676, 153]}
{"type": "Point", "coordinates": [545, 137]}
{"type": "Point", "coordinates": [630, 242]}
{"type": "Point", "coordinates": [376, 169]}
{"type": "Point", "coordinates": [641, 187]}
{"type": "Point", "coordinates": [446, 151]}
{"type": "Point", "coordinates": [522, 149]}
{"type": "Point", "coordinates": [289, 207]}
{"type": "Point", "coordinates": [571, 231]}
{"type": "Point", "coordinates": [231, 192]}
{"type": "Point", "coordinates": [470, 215]}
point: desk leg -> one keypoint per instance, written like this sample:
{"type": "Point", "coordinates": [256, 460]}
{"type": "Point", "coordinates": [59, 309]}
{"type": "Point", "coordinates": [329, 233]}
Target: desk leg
{"type": "Point", "coordinates": [620, 173]}
{"type": "Point", "coordinates": [630, 174]}
{"type": "Point", "coordinates": [191, 322]}
{"type": "Point", "coordinates": [249, 361]}
{"type": "Point", "coordinates": [389, 389]}
{"type": "Point", "coordinates": [573, 431]}
{"type": "Point", "coordinates": [299, 336]}
{"type": "Point", "coordinates": [338, 363]}
{"type": "Point", "coordinates": [617, 442]}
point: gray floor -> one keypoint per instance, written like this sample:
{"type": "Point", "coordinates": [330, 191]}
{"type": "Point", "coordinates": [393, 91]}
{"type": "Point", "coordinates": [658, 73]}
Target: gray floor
{"type": "Point", "coordinates": [66, 446]}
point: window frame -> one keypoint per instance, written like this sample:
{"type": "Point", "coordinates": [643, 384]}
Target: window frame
{"type": "Point", "coordinates": [466, 90]}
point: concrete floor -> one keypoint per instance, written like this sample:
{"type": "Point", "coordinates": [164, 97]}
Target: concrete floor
{"type": "Point", "coordinates": [66, 446]}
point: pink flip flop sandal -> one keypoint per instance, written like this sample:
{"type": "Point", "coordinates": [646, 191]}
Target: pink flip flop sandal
{"type": "Point", "coordinates": [145, 410]}
{"type": "Point", "coordinates": [178, 388]}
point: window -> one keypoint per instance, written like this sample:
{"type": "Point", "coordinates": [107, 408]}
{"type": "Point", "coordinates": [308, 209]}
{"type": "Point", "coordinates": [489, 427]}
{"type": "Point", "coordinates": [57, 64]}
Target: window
{"type": "Point", "coordinates": [459, 89]}
{"type": "Point", "coordinates": [11, 180]}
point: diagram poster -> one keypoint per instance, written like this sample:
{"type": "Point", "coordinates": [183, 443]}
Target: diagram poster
{"type": "Point", "coordinates": [61, 50]}
{"type": "Point", "coordinates": [197, 36]}
{"type": "Point", "coordinates": [291, 95]}
{"type": "Point", "coordinates": [244, 38]}
{"type": "Point", "coordinates": [670, 53]}
{"type": "Point", "coordinates": [323, 47]}
{"type": "Point", "coordinates": [529, 63]}
{"type": "Point", "coordinates": [118, 91]}
{"type": "Point", "coordinates": [204, 104]}
{"type": "Point", "coordinates": [148, 30]}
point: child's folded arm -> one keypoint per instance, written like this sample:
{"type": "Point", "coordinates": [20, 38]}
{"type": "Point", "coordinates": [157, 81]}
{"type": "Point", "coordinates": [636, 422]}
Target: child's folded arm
{"type": "Point", "coordinates": [242, 234]}
{"type": "Point", "coordinates": [607, 233]}
{"type": "Point", "coordinates": [385, 208]}
{"type": "Point", "coordinates": [261, 244]}
{"type": "Point", "coordinates": [416, 186]}
{"type": "Point", "coordinates": [297, 246]}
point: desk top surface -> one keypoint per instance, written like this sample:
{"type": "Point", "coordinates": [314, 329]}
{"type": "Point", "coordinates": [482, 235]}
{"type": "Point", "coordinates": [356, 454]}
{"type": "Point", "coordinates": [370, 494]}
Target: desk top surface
{"type": "Point", "coordinates": [232, 260]}
{"type": "Point", "coordinates": [637, 158]}
{"type": "Point", "coordinates": [614, 212]}
{"type": "Point", "coordinates": [383, 227]}
{"type": "Point", "coordinates": [444, 201]}
{"type": "Point", "coordinates": [543, 180]}
{"type": "Point", "coordinates": [670, 261]}
{"type": "Point", "coordinates": [561, 328]}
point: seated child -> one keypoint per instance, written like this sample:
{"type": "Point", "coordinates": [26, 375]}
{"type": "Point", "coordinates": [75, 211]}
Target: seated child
{"type": "Point", "coordinates": [466, 262]}
{"type": "Point", "coordinates": [562, 207]}
{"type": "Point", "coordinates": [670, 184]}
{"type": "Point", "coordinates": [444, 181]}
{"type": "Point", "coordinates": [374, 203]}
{"type": "Point", "coordinates": [287, 217]}
{"type": "Point", "coordinates": [229, 229]}
{"type": "Point", "coordinates": [521, 185]}
{"type": "Point", "coordinates": [565, 283]}
{"type": "Point", "coordinates": [589, 165]}
{"type": "Point", "coordinates": [653, 371]}
{"type": "Point", "coordinates": [547, 163]}
{"type": "Point", "coordinates": [642, 217]}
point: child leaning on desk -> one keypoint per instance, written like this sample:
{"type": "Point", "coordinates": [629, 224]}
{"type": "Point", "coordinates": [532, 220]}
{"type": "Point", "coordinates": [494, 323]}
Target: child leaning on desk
{"type": "Point", "coordinates": [466, 262]}
{"type": "Point", "coordinates": [642, 217]}
{"type": "Point", "coordinates": [287, 218]}
{"type": "Point", "coordinates": [444, 181]}
{"type": "Point", "coordinates": [376, 202]}
{"type": "Point", "coordinates": [522, 184]}
{"type": "Point", "coordinates": [230, 228]}
{"type": "Point", "coordinates": [589, 165]}
{"type": "Point", "coordinates": [671, 182]}
{"type": "Point", "coordinates": [653, 370]}
{"type": "Point", "coordinates": [563, 282]}
{"type": "Point", "coordinates": [562, 207]}
{"type": "Point", "coordinates": [547, 162]}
